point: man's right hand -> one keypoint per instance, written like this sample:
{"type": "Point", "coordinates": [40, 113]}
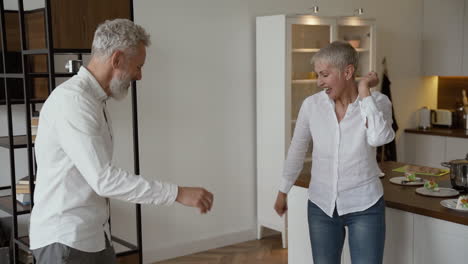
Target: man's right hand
{"type": "Point", "coordinates": [195, 197]}
{"type": "Point", "coordinates": [281, 205]}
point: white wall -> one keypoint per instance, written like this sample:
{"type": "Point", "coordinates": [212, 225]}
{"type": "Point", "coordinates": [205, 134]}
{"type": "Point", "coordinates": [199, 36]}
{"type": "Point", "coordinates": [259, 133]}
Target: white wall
{"type": "Point", "coordinates": [197, 110]}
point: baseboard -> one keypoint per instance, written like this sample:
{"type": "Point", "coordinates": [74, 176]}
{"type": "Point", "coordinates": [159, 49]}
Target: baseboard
{"type": "Point", "coordinates": [152, 256]}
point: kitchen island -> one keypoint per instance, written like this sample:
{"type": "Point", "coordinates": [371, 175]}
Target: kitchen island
{"type": "Point", "coordinates": [419, 229]}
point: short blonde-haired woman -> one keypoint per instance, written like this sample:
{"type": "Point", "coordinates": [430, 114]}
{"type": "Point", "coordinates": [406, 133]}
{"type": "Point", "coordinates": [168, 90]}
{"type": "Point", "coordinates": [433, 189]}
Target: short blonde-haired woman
{"type": "Point", "coordinates": [345, 122]}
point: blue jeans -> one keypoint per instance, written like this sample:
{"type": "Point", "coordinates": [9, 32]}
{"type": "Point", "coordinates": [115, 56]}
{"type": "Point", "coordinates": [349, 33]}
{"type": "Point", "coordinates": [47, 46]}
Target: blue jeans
{"type": "Point", "coordinates": [366, 234]}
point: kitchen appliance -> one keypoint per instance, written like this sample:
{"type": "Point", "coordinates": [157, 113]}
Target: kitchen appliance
{"type": "Point", "coordinates": [441, 117]}
{"type": "Point", "coordinates": [73, 65]}
{"type": "Point", "coordinates": [424, 115]}
{"type": "Point", "coordinates": [458, 173]}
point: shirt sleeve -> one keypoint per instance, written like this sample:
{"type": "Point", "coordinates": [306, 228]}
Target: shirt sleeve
{"type": "Point", "coordinates": [297, 150]}
{"type": "Point", "coordinates": [378, 114]}
{"type": "Point", "coordinates": [80, 135]}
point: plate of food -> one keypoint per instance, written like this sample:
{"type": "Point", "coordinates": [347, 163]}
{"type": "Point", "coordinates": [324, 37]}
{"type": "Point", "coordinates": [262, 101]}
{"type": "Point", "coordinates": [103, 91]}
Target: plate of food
{"type": "Point", "coordinates": [460, 204]}
{"type": "Point", "coordinates": [409, 180]}
{"type": "Point", "coordinates": [431, 188]}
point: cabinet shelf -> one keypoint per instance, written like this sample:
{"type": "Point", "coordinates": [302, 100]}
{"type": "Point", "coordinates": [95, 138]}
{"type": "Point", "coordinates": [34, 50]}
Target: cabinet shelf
{"type": "Point", "coordinates": [316, 50]}
{"type": "Point", "coordinates": [18, 142]}
{"type": "Point", "coordinates": [21, 101]}
{"type": "Point", "coordinates": [46, 75]}
{"type": "Point", "coordinates": [56, 51]}
{"type": "Point", "coordinates": [7, 206]}
{"type": "Point", "coordinates": [304, 81]}
{"type": "Point", "coordinates": [305, 50]}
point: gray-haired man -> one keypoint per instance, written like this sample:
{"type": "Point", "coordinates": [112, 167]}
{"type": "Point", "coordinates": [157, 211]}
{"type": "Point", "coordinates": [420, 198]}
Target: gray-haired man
{"type": "Point", "coordinates": [74, 145]}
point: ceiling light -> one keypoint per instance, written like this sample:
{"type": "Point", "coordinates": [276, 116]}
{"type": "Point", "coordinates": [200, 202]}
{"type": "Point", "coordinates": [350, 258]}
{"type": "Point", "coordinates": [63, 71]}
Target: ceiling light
{"type": "Point", "coordinates": [358, 11]}
{"type": "Point", "coordinates": [315, 9]}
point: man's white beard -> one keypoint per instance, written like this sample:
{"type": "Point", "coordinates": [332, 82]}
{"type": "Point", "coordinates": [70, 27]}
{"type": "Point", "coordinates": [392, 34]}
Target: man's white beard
{"type": "Point", "coordinates": [119, 87]}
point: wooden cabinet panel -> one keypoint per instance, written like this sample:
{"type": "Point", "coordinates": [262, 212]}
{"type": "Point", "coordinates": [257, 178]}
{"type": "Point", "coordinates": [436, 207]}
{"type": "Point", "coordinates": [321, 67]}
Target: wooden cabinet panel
{"type": "Point", "coordinates": [35, 29]}
{"type": "Point", "coordinates": [77, 33]}
{"type": "Point", "coordinates": [12, 31]}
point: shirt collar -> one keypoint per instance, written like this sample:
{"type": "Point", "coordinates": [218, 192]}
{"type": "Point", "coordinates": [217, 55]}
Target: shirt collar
{"type": "Point", "coordinates": [96, 89]}
{"type": "Point", "coordinates": [327, 100]}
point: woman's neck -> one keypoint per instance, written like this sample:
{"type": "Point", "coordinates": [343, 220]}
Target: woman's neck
{"type": "Point", "coordinates": [349, 95]}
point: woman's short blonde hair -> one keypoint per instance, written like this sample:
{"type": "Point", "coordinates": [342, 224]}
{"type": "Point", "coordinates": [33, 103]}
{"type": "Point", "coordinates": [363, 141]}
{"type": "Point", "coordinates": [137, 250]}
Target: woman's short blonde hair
{"type": "Point", "coordinates": [338, 54]}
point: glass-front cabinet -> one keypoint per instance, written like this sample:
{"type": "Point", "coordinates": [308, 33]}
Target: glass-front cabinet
{"type": "Point", "coordinates": [285, 77]}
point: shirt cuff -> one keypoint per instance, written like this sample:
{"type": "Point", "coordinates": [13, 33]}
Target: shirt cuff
{"type": "Point", "coordinates": [285, 186]}
{"type": "Point", "coordinates": [171, 191]}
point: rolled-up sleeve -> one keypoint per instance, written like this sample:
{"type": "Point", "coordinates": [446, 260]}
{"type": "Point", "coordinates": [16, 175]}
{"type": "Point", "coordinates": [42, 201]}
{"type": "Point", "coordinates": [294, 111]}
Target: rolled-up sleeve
{"type": "Point", "coordinates": [377, 111]}
{"type": "Point", "coordinates": [80, 136]}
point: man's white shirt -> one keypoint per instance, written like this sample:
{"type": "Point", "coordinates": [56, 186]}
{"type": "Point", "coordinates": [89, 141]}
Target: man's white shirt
{"type": "Point", "coordinates": [75, 173]}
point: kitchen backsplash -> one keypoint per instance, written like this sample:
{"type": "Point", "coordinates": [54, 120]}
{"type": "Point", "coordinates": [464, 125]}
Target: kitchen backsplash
{"type": "Point", "coordinates": [450, 91]}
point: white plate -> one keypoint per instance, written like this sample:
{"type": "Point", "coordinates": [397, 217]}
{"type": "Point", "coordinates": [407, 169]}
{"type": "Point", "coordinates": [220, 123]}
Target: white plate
{"type": "Point", "coordinates": [452, 204]}
{"type": "Point", "coordinates": [399, 180]}
{"type": "Point", "coordinates": [443, 192]}
{"type": "Point", "coordinates": [381, 174]}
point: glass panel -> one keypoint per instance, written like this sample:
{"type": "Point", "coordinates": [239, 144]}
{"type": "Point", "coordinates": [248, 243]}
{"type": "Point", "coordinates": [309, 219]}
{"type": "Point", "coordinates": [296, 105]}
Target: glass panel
{"type": "Point", "coordinates": [306, 41]}
{"type": "Point", "coordinates": [299, 92]}
{"type": "Point", "coordinates": [310, 36]}
{"type": "Point", "coordinates": [359, 37]}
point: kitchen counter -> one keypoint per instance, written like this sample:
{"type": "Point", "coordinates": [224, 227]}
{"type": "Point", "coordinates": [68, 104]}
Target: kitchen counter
{"type": "Point", "coordinates": [405, 198]}
{"type": "Point", "coordinates": [444, 132]}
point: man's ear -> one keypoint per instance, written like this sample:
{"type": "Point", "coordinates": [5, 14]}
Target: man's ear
{"type": "Point", "coordinates": [117, 59]}
{"type": "Point", "coordinates": [349, 71]}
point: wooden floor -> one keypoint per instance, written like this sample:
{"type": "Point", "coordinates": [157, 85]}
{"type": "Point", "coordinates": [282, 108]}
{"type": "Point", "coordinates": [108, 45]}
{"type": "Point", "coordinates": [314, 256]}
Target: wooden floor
{"type": "Point", "coordinates": [265, 251]}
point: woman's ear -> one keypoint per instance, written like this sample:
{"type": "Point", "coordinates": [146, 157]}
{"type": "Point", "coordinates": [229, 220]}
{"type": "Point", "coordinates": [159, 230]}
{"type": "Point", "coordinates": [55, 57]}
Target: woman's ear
{"type": "Point", "coordinates": [349, 71]}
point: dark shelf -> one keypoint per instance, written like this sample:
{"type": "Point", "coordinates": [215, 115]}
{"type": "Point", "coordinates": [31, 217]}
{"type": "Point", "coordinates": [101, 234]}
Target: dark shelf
{"type": "Point", "coordinates": [56, 51]}
{"type": "Point", "coordinates": [21, 101]}
{"type": "Point", "coordinates": [46, 75]}
{"type": "Point", "coordinates": [7, 206]}
{"type": "Point", "coordinates": [18, 142]}
{"type": "Point", "coordinates": [72, 51]}
{"type": "Point", "coordinates": [12, 75]}
{"type": "Point", "coordinates": [35, 51]}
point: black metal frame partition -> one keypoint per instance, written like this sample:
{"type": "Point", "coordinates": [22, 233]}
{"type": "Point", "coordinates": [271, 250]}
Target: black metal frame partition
{"type": "Point", "coordinates": [13, 142]}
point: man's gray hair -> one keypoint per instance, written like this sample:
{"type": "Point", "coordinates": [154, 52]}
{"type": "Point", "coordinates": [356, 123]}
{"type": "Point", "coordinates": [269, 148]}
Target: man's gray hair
{"type": "Point", "coordinates": [338, 54]}
{"type": "Point", "coordinates": [118, 34]}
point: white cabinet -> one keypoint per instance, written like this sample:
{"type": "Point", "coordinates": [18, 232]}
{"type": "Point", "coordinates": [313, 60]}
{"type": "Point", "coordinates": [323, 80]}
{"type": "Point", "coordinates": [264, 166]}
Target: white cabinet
{"type": "Point", "coordinates": [437, 241]}
{"type": "Point", "coordinates": [457, 148]}
{"type": "Point", "coordinates": [442, 37]}
{"type": "Point", "coordinates": [285, 77]}
{"type": "Point", "coordinates": [299, 250]}
{"type": "Point", "coordinates": [428, 150]}
{"type": "Point", "coordinates": [425, 150]}
{"type": "Point", "coordinates": [409, 239]}
{"type": "Point", "coordinates": [398, 237]}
